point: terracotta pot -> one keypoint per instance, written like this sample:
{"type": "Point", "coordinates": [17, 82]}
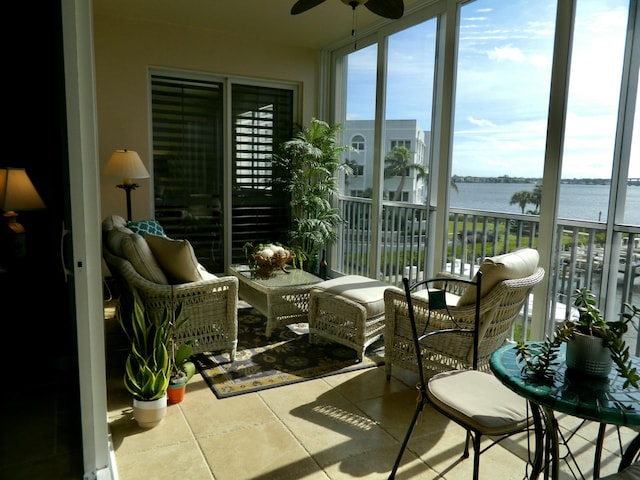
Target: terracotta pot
{"type": "Point", "coordinates": [149, 413]}
{"type": "Point", "coordinates": [175, 393]}
{"type": "Point", "coordinates": [588, 355]}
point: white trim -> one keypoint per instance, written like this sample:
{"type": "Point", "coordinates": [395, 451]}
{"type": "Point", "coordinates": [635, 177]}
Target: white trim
{"type": "Point", "coordinates": [77, 21]}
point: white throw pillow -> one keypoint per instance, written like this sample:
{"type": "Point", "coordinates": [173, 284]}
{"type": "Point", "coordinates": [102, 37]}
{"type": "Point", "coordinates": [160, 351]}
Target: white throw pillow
{"type": "Point", "coordinates": [137, 251]}
{"type": "Point", "coordinates": [176, 258]}
{"type": "Point", "coordinates": [517, 264]}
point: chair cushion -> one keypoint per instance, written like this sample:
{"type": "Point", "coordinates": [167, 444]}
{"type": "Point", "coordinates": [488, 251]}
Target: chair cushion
{"type": "Point", "coordinates": [632, 472]}
{"type": "Point", "coordinates": [176, 258]}
{"type": "Point", "coordinates": [142, 227]}
{"type": "Point", "coordinates": [114, 239]}
{"type": "Point", "coordinates": [450, 298]}
{"type": "Point", "coordinates": [113, 221]}
{"type": "Point", "coordinates": [478, 399]}
{"type": "Point", "coordinates": [137, 251]}
{"type": "Point", "coordinates": [365, 291]}
{"type": "Point", "coordinates": [517, 264]}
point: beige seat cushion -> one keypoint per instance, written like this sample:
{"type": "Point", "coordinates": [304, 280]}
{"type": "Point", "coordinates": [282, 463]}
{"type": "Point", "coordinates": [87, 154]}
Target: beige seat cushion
{"type": "Point", "coordinates": [365, 291]}
{"type": "Point", "coordinates": [517, 264]}
{"type": "Point", "coordinates": [176, 258]}
{"type": "Point", "coordinates": [451, 298]}
{"type": "Point", "coordinates": [137, 251]}
{"type": "Point", "coordinates": [480, 400]}
{"type": "Point", "coordinates": [632, 472]}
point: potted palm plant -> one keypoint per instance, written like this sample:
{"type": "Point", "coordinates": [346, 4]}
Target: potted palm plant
{"type": "Point", "coordinates": [147, 368]}
{"type": "Point", "coordinates": [307, 167]}
{"type": "Point", "coordinates": [593, 344]}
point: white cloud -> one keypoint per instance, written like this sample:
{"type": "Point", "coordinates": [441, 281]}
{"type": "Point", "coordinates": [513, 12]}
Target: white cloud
{"type": "Point", "coordinates": [481, 123]}
{"type": "Point", "coordinates": [506, 53]}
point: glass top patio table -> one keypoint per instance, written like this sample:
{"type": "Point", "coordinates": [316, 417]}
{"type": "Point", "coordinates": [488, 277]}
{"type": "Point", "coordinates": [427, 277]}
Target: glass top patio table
{"type": "Point", "coordinates": [601, 400]}
{"type": "Point", "coordinates": [294, 277]}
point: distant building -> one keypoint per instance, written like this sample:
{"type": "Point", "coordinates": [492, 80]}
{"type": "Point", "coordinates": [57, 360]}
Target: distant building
{"type": "Point", "coordinates": [398, 133]}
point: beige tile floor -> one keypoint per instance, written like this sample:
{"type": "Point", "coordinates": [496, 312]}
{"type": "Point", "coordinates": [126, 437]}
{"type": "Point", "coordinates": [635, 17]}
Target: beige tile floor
{"type": "Point", "coordinates": [338, 427]}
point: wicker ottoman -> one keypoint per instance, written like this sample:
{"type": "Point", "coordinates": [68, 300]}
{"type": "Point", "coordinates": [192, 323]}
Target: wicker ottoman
{"type": "Point", "coordinates": [348, 310]}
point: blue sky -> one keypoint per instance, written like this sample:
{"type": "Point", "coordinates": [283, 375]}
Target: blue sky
{"type": "Point", "coordinates": [502, 91]}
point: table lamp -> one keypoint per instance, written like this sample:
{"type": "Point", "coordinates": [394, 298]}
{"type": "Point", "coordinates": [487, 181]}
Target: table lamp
{"type": "Point", "coordinates": [127, 165]}
{"type": "Point", "coordinates": [17, 193]}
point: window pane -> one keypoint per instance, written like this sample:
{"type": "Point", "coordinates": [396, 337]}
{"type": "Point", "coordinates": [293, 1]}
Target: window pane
{"type": "Point", "coordinates": [358, 127]}
{"type": "Point", "coordinates": [501, 106]}
{"type": "Point", "coordinates": [410, 74]}
{"type": "Point", "coordinates": [632, 205]}
{"type": "Point", "coordinates": [592, 108]}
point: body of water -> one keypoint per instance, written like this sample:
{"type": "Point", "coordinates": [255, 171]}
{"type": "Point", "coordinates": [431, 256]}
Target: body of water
{"type": "Point", "coordinates": [580, 202]}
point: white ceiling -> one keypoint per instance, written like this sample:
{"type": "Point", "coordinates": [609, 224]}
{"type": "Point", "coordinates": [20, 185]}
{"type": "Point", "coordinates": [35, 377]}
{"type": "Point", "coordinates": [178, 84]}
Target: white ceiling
{"type": "Point", "coordinates": [266, 20]}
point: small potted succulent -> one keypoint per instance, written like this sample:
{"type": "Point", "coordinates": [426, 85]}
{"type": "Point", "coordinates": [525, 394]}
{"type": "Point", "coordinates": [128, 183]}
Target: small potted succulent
{"type": "Point", "coordinates": [589, 335]}
{"type": "Point", "coordinates": [182, 368]}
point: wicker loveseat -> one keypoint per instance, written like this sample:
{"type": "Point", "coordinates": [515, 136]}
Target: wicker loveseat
{"type": "Point", "coordinates": [162, 272]}
{"type": "Point", "coordinates": [507, 281]}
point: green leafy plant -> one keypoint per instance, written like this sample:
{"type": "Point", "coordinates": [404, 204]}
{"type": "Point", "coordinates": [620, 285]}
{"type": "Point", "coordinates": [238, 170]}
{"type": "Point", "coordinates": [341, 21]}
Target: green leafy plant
{"type": "Point", "coordinates": [182, 368]}
{"type": "Point", "coordinates": [537, 360]}
{"type": "Point", "coordinates": [307, 166]}
{"type": "Point", "coordinates": [147, 368]}
{"type": "Point", "coordinates": [156, 358]}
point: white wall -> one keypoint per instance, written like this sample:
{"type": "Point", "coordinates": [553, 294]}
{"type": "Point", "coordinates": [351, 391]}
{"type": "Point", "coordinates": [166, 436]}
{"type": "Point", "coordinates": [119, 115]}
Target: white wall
{"type": "Point", "coordinates": [124, 50]}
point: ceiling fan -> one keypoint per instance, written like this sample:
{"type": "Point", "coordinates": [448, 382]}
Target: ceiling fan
{"type": "Point", "coordinates": [385, 8]}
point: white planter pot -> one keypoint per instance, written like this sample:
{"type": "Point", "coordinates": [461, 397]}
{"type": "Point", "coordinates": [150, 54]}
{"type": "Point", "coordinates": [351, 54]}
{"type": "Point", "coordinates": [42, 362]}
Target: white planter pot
{"type": "Point", "coordinates": [149, 413]}
{"type": "Point", "coordinates": [588, 355]}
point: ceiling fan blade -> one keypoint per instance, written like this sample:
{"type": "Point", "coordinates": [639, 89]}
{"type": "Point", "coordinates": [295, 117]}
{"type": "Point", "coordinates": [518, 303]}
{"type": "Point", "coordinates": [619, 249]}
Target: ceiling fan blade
{"type": "Point", "coordinates": [386, 8]}
{"type": "Point", "coordinates": [304, 5]}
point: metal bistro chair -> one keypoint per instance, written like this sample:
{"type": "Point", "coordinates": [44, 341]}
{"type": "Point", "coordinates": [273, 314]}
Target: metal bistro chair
{"type": "Point", "coordinates": [474, 399]}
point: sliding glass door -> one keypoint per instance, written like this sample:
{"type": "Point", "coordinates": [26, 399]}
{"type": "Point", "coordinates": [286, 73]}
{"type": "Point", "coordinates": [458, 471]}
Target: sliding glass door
{"type": "Point", "coordinates": [218, 194]}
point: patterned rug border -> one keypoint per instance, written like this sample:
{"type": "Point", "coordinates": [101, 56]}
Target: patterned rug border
{"type": "Point", "coordinates": [249, 373]}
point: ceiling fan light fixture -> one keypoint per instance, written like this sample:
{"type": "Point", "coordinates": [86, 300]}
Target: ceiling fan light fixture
{"type": "Point", "coordinates": [354, 3]}
{"type": "Point", "coordinates": [392, 9]}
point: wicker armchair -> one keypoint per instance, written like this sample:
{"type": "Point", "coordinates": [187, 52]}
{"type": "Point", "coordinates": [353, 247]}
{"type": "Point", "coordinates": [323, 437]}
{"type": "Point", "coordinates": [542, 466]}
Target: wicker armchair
{"type": "Point", "coordinates": [498, 310]}
{"type": "Point", "coordinates": [210, 304]}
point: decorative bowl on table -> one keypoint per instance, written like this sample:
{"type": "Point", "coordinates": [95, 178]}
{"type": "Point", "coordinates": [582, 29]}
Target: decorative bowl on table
{"type": "Point", "coordinates": [267, 258]}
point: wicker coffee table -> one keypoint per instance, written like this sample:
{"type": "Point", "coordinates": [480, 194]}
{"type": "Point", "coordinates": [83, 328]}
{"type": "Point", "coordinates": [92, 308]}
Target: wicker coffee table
{"type": "Point", "coordinates": [283, 298]}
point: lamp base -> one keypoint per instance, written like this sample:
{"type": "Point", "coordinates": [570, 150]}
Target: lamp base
{"type": "Point", "coordinates": [14, 240]}
{"type": "Point", "coordinates": [127, 187]}
{"type": "Point", "coordinates": [12, 222]}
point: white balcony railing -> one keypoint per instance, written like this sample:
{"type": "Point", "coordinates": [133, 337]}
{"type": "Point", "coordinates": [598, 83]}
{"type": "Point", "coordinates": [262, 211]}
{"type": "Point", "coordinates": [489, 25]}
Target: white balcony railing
{"type": "Point", "coordinates": [580, 251]}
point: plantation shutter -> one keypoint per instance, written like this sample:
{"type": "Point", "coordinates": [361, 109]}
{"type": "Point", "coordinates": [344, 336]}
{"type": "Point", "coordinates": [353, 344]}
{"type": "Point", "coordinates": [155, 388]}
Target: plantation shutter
{"type": "Point", "coordinates": [188, 162]}
{"type": "Point", "coordinates": [187, 122]}
{"type": "Point", "coordinates": [263, 118]}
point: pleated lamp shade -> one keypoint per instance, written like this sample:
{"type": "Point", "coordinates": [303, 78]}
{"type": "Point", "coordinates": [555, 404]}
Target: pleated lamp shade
{"type": "Point", "coordinates": [17, 192]}
{"type": "Point", "coordinates": [126, 164]}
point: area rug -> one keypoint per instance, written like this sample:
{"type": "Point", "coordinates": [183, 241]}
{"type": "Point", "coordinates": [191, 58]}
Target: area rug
{"type": "Point", "coordinates": [285, 358]}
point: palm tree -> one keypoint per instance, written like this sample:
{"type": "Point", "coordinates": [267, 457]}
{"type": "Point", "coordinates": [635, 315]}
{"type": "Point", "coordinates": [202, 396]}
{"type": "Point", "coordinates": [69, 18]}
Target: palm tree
{"type": "Point", "coordinates": [307, 166]}
{"type": "Point", "coordinates": [398, 164]}
{"type": "Point", "coordinates": [536, 198]}
{"type": "Point", "coordinates": [521, 198]}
